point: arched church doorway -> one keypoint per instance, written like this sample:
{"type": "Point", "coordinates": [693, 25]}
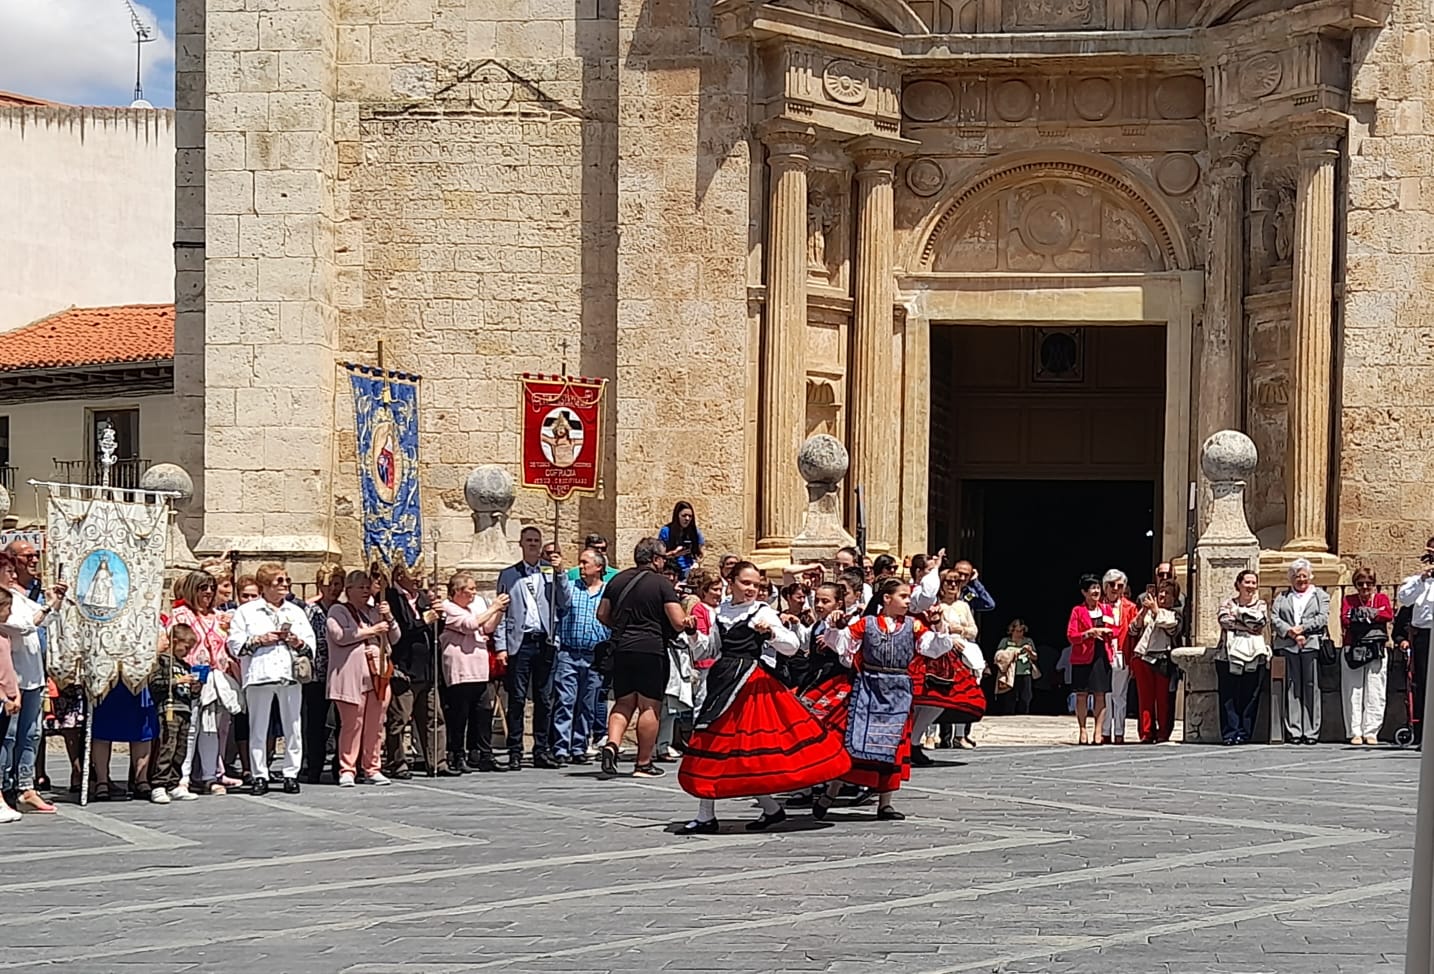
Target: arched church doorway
{"type": "Point", "coordinates": [1047, 453]}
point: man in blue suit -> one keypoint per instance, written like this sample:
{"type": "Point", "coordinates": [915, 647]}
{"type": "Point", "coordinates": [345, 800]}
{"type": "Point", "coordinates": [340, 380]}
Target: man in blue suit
{"type": "Point", "coordinates": [538, 591]}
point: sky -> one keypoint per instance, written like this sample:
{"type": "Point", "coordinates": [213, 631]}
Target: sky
{"type": "Point", "coordinates": [81, 52]}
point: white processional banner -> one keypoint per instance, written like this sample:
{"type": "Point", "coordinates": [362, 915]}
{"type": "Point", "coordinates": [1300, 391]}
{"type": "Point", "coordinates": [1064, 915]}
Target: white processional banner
{"type": "Point", "coordinates": [109, 547]}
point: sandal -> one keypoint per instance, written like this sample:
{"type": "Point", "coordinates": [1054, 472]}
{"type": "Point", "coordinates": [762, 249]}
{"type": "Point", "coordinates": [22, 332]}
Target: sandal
{"type": "Point", "coordinates": [215, 788]}
{"type": "Point", "coordinates": [102, 792]}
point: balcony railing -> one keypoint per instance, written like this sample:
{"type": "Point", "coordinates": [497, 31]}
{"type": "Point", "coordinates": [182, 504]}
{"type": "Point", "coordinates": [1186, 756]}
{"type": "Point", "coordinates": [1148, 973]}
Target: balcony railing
{"type": "Point", "coordinates": [125, 473]}
{"type": "Point", "coordinates": [7, 478]}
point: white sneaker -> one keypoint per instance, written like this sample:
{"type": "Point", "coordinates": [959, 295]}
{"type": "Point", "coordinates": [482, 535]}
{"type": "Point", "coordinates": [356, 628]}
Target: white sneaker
{"type": "Point", "coordinates": [159, 796]}
{"type": "Point", "coordinates": [673, 754]}
{"type": "Point", "coordinates": [379, 778]}
{"type": "Point", "coordinates": [346, 780]}
{"type": "Point", "coordinates": [183, 794]}
{"type": "Point", "coordinates": [8, 814]}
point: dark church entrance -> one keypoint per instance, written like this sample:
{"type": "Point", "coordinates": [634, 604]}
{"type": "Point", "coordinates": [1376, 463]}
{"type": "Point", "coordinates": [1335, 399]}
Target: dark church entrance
{"type": "Point", "coordinates": [1046, 451]}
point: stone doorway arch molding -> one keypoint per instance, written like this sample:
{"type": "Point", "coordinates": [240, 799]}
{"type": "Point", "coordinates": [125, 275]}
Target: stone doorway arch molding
{"type": "Point", "coordinates": [1101, 175]}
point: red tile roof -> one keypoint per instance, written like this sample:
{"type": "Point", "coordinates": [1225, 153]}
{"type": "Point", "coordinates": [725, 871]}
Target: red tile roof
{"type": "Point", "coordinates": [9, 99]}
{"type": "Point", "coordinates": [91, 336]}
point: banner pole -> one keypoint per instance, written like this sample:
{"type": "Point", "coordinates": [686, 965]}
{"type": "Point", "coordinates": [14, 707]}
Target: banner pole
{"type": "Point", "coordinates": [435, 704]}
{"type": "Point", "coordinates": [89, 737]}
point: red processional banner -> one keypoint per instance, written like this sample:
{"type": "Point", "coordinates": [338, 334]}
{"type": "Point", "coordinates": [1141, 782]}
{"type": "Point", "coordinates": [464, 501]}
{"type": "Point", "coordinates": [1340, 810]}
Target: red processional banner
{"type": "Point", "coordinates": [562, 423]}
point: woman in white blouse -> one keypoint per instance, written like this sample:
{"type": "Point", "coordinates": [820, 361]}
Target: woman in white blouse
{"type": "Point", "coordinates": [752, 737]}
{"type": "Point", "coordinates": [22, 737]}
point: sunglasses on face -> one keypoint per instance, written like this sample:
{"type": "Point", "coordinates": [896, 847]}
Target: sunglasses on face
{"type": "Point", "coordinates": [950, 581]}
{"type": "Point", "coordinates": [281, 580]}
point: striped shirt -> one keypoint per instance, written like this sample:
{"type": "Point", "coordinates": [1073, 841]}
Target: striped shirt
{"type": "Point", "coordinates": [578, 627]}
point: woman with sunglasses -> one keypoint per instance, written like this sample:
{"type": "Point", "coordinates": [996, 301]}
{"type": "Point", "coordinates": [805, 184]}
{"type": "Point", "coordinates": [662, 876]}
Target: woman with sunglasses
{"type": "Point", "coordinates": [194, 606]}
{"type": "Point", "coordinates": [266, 635]}
{"type": "Point", "coordinates": [1364, 617]}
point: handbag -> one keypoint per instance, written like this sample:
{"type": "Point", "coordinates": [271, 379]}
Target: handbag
{"type": "Point", "coordinates": [303, 666]}
{"type": "Point", "coordinates": [1366, 650]}
{"type": "Point", "coordinates": [604, 651]}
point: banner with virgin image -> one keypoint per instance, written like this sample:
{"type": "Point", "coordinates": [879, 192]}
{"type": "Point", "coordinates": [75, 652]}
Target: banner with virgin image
{"type": "Point", "coordinates": [562, 433]}
{"type": "Point", "coordinates": [386, 428]}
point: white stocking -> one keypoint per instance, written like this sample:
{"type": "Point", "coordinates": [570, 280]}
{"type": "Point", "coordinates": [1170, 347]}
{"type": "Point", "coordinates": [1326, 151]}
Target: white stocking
{"type": "Point", "coordinates": [706, 809]}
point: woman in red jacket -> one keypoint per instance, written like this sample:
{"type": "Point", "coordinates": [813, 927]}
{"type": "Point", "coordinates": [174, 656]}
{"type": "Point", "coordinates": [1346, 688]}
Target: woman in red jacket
{"type": "Point", "coordinates": [1090, 632]}
{"type": "Point", "coordinates": [1364, 619]}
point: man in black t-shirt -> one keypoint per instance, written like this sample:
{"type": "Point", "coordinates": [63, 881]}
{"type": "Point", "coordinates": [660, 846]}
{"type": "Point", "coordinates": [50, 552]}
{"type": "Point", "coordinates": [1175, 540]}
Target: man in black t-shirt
{"type": "Point", "coordinates": [643, 611]}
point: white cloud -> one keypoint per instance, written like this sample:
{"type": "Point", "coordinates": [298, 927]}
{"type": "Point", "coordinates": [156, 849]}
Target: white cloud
{"type": "Point", "coordinates": [81, 52]}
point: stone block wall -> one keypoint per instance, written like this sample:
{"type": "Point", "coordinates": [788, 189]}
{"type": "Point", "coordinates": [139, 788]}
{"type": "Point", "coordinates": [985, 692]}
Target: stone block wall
{"type": "Point", "coordinates": [270, 276]}
{"type": "Point", "coordinates": [448, 177]}
{"type": "Point", "coordinates": [1386, 474]}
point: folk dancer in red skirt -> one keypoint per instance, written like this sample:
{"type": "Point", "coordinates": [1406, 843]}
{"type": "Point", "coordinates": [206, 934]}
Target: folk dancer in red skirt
{"type": "Point", "coordinates": [887, 653]}
{"type": "Point", "coordinates": [752, 737]}
{"type": "Point", "coordinates": [952, 682]}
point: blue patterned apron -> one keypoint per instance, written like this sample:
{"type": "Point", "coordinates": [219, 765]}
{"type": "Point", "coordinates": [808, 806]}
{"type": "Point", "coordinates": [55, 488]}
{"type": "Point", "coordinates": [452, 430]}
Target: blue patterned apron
{"type": "Point", "coordinates": [881, 692]}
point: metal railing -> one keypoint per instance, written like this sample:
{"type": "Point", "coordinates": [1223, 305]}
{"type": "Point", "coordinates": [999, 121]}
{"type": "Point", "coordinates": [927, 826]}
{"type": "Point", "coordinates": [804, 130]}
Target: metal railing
{"type": "Point", "coordinates": [7, 478]}
{"type": "Point", "coordinates": [125, 473]}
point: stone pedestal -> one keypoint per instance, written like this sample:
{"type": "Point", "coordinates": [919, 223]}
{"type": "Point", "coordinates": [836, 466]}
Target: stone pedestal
{"type": "Point", "coordinates": [822, 462]}
{"type": "Point", "coordinates": [173, 478]}
{"type": "Point", "coordinates": [490, 493]}
{"type": "Point", "coordinates": [783, 400]}
{"type": "Point", "coordinates": [1225, 549]}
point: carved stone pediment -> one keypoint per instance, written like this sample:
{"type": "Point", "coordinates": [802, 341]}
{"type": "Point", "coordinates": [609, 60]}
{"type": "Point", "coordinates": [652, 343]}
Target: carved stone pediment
{"type": "Point", "coordinates": [483, 89]}
{"type": "Point", "coordinates": [839, 92]}
{"type": "Point", "coordinates": [1340, 14]}
{"type": "Point", "coordinates": [1259, 89]}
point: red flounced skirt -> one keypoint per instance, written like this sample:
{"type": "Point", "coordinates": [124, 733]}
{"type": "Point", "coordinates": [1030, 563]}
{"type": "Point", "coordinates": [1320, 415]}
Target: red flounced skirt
{"type": "Point", "coordinates": [964, 695]}
{"type": "Point", "coordinates": [766, 742]}
{"type": "Point", "coordinates": [829, 703]}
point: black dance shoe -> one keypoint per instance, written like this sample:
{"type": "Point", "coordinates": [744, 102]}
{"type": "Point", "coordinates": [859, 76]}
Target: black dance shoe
{"type": "Point", "coordinates": [696, 827]}
{"type": "Point", "coordinates": [767, 821]}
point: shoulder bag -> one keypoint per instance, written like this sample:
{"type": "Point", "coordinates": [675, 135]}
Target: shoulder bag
{"type": "Point", "coordinates": [604, 651]}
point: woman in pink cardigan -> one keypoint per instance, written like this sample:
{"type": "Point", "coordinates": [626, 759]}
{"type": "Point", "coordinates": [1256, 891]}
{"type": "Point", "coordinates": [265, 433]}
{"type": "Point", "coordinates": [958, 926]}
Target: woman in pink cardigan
{"type": "Point", "coordinates": [468, 621]}
{"type": "Point", "coordinates": [360, 638]}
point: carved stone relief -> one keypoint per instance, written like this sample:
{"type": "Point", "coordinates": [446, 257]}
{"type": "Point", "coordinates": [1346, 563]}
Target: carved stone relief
{"type": "Point", "coordinates": [1053, 102]}
{"type": "Point", "coordinates": [1268, 392]}
{"type": "Point", "coordinates": [1272, 220]}
{"type": "Point", "coordinates": [1049, 225]}
{"type": "Point", "coordinates": [978, 17]}
{"type": "Point", "coordinates": [826, 240]}
{"type": "Point", "coordinates": [845, 82]}
{"type": "Point", "coordinates": [925, 177]}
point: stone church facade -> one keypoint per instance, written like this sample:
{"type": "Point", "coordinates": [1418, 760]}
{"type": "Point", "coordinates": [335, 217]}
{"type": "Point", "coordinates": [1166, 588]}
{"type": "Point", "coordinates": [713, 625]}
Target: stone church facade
{"type": "Point", "coordinates": [758, 220]}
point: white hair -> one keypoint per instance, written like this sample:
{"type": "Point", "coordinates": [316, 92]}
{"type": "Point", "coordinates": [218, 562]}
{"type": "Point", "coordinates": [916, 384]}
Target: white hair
{"type": "Point", "coordinates": [1114, 575]}
{"type": "Point", "coordinates": [1300, 564]}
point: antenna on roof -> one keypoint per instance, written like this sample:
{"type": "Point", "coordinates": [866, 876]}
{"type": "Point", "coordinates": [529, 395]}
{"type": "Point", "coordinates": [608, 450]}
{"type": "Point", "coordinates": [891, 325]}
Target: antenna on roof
{"type": "Point", "coordinates": [142, 36]}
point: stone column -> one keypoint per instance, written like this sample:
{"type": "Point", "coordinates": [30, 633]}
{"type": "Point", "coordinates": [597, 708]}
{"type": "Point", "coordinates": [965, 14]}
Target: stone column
{"type": "Point", "coordinates": [1307, 455]}
{"type": "Point", "coordinates": [782, 406]}
{"type": "Point", "coordinates": [1221, 346]}
{"type": "Point", "coordinates": [874, 390]}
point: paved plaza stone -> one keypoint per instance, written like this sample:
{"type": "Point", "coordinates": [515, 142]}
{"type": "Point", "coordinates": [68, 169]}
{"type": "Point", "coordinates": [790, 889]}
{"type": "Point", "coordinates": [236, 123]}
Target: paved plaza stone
{"type": "Point", "coordinates": [1013, 859]}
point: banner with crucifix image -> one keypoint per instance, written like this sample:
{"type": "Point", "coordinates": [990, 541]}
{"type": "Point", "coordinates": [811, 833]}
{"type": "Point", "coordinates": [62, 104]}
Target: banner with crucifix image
{"type": "Point", "coordinates": [562, 439]}
{"type": "Point", "coordinates": [386, 427]}
{"type": "Point", "coordinates": [109, 547]}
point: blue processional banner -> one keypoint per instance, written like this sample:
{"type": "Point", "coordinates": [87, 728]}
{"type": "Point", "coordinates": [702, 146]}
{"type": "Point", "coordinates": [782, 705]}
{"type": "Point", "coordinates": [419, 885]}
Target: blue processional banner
{"type": "Point", "coordinates": [386, 426]}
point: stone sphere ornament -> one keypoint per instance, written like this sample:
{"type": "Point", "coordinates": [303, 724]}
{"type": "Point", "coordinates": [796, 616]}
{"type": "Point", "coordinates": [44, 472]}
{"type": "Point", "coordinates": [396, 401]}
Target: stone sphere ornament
{"type": "Point", "coordinates": [1228, 455]}
{"type": "Point", "coordinates": [822, 459]}
{"type": "Point", "coordinates": [169, 477]}
{"type": "Point", "coordinates": [489, 488]}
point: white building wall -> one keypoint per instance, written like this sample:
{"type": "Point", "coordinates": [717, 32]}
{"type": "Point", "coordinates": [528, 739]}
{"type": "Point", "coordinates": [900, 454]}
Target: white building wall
{"type": "Point", "coordinates": [88, 213]}
{"type": "Point", "coordinates": [43, 432]}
